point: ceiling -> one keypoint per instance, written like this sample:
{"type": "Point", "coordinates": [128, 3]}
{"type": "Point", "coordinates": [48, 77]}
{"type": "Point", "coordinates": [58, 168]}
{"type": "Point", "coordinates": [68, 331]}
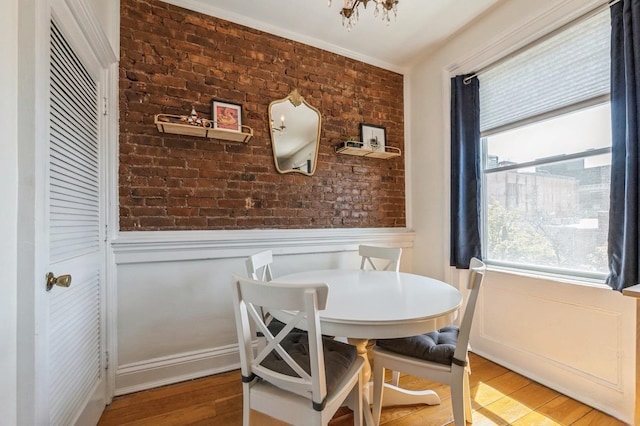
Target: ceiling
{"type": "Point", "coordinates": [420, 25]}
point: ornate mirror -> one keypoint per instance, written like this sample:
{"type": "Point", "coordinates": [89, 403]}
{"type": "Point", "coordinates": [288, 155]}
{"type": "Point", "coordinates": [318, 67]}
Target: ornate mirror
{"type": "Point", "coordinates": [295, 134]}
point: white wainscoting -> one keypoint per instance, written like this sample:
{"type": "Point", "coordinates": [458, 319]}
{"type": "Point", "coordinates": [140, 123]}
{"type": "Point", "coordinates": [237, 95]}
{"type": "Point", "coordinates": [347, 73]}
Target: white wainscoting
{"type": "Point", "coordinates": [174, 319]}
{"type": "Point", "coordinates": [577, 339]}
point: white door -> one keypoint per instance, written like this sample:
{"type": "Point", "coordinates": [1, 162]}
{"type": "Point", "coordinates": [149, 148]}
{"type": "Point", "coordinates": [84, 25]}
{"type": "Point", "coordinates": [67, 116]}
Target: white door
{"type": "Point", "coordinates": [75, 323]}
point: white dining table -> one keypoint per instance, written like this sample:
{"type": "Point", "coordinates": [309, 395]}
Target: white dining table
{"type": "Point", "coordinates": [365, 305]}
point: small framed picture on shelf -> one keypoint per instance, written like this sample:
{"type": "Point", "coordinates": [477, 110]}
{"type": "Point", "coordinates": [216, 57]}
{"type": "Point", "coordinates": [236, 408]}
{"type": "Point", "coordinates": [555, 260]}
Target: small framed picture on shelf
{"type": "Point", "coordinates": [373, 137]}
{"type": "Point", "coordinates": [226, 115]}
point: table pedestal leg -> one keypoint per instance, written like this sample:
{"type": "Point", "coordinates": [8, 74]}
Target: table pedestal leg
{"type": "Point", "coordinates": [392, 395]}
{"type": "Point", "coordinates": [361, 347]}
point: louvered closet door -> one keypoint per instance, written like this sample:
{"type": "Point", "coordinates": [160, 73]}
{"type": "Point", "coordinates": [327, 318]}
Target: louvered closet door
{"type": "Point", "coordinates": [75, 327]}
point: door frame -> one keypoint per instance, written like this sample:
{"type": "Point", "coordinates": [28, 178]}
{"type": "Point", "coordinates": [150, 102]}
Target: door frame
{"type": "Point", "coordinates": [34, 17]}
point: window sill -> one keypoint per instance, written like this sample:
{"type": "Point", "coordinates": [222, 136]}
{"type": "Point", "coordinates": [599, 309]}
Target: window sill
{"type": "Point", "coordinates": [633, 291]}
{"type": "Point", "coordinates": [594, 281]}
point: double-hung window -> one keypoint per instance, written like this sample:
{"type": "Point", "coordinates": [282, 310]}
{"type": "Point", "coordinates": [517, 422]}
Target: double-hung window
{"type": "Point", "coordinates": [546, 143]}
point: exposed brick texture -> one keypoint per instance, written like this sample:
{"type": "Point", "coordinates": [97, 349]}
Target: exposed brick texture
{"type": "Point", "coordinates": [172, 58]}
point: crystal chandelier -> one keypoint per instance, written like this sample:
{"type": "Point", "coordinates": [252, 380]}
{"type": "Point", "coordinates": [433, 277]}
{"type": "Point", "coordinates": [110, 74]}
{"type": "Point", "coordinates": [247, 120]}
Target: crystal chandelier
{"type": "Point", "coordinates": [349, 11]}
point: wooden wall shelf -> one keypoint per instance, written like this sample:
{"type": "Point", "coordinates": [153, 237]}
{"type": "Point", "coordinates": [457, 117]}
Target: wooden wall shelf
{"type": "Point", "coordinates": [359, 151]}
{"type": "Point", "coordinates": [170, 124]}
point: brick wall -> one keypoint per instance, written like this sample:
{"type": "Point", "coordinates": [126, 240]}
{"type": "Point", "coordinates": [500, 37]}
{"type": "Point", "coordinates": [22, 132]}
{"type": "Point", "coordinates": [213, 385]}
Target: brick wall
{"type": "Point", "coordinates": [172, 58]}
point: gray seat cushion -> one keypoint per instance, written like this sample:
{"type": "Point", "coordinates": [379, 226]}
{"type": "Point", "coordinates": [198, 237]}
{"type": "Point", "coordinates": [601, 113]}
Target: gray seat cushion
{"type": "Point", "coordinates": [437, 346]}
{"type": "Point", "coordinates": [275, 326]}
{"type": "Point", "coordinates": [338, 357]}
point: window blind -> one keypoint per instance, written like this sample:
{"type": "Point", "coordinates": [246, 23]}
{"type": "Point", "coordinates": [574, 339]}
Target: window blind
{"type": "Point", "coordinates": [536, 81]}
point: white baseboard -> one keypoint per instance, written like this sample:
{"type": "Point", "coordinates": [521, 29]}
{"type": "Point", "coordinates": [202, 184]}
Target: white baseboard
{"type": "Point", "coordinates": [176, 368]}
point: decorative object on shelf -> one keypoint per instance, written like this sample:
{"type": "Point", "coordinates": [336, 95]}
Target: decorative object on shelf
{"type": "Point", "coordinates": [374, 137]}
{"type": "Point", "coordinates": [195, 120]}
{"type": "Point", "coordinates": [226, 115]}
{"type": "Point", "coordinates": [360, 149]}
{"type": "Point", "coordinates": [344, 146]}
{"type": "Point", "coordinates": [296, 144]}
{"type": "Point", "coordinates": [179, 125]}
{"type": "Point", "coordinates": [350, 16]}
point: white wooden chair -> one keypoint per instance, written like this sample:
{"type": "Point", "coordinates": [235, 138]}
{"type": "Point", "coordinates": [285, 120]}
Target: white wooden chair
{"type": "Point", "coordinates": [392, 257]}
{"type": "Point", "coordinates": [259, 268]}
{"type": "Point", "coordinates": [440, 356]}
{"type": "Point", "coordinates": [299, 377]}
{"type": "Point", "coordinates": [259, 265]}
{"type": "Point", "coordinates": [390, 254]}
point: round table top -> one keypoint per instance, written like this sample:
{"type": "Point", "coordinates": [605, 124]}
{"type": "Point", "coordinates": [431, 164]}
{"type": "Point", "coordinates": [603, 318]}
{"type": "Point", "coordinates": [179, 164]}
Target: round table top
{"type": "Point", "coordinates": [380, 304]}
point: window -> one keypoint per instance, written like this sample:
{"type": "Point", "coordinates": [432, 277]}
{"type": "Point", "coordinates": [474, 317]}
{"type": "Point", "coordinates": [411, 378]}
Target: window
{"type": "Point", "coordinates": [546, 143]}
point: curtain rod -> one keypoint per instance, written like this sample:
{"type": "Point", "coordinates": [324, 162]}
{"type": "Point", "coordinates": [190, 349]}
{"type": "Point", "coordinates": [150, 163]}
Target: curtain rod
{"type": "Point", "coordinates": [587, 15]}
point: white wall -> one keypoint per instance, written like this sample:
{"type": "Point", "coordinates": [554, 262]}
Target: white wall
{"type": "Point", "coordinates": [108, 16]}
{"type": "Point", "coordinates": [512, 325]}
{"type": "Point", "coordinates": [8, 212]}
{"type": "Point", "coordinates": [25, 242]}
{"type": "Point", "coordinates": [175, 320]}
{"type": "Point", "coordinates": [576, 339]}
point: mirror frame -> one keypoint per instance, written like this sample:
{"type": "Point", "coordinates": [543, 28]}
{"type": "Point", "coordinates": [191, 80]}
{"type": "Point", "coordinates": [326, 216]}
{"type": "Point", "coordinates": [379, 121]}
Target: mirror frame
{"type": "Point", "coordinates": [296, 99]}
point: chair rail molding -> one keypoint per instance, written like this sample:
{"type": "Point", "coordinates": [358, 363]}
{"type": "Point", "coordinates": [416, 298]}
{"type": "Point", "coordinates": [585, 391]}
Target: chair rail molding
{"type": "Point", "coordinates": [163, 246]}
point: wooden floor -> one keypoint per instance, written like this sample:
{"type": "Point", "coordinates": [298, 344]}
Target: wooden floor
{"type": "Point", "coordinates": [500, 397]}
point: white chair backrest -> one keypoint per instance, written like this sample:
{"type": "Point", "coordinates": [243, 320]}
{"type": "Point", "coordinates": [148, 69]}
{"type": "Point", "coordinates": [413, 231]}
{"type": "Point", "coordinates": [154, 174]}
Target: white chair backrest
{"type": "Point", "coordinates": [248, 297]}
{"type": "Point", "coordinates": [477, 270]}
{"type": "Point", "coordinates": [391, 254]}
{"type": "Point", "coordinates": [259, 266]}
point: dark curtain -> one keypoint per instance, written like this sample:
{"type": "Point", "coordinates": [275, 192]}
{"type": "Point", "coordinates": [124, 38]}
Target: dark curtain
{"type": "Point", "coordinates": [465, 170]}
{"type": "Point", "coordinates": [623, 210]}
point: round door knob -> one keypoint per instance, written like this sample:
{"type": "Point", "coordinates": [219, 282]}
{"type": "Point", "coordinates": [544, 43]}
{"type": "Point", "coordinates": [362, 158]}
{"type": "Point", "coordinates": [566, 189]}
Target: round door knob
{"type": "Point", "coordinates": [62, 280]}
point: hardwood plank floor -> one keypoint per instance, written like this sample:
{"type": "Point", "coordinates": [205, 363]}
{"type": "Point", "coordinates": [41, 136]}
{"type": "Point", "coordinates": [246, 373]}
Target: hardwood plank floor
{"type": "Point", "coordinates": [500, 397]}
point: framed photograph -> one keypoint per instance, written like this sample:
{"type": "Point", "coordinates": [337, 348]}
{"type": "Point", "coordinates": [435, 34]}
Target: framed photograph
{"type": "Point", "coordinates": [226, 115]}
{"type": "Point", "coordinates": [373, 137]}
